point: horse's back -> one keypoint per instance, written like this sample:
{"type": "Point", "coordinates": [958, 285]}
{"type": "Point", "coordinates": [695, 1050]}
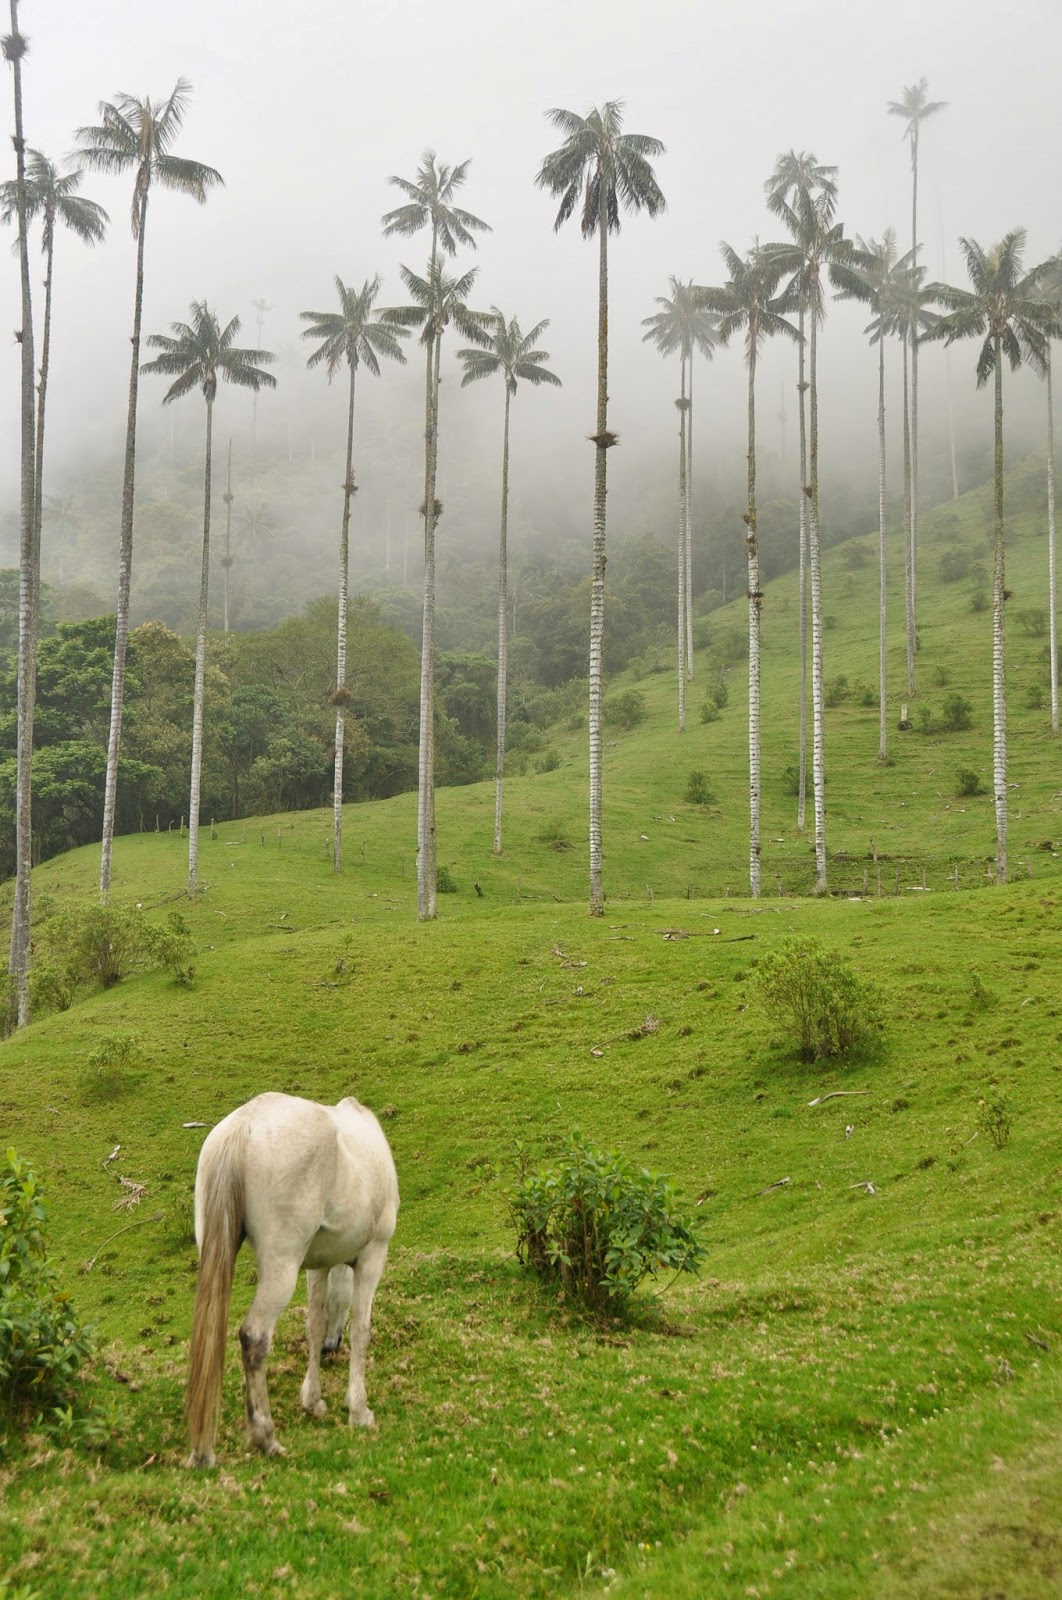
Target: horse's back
{"type": "Point", "coordinates": [321, 1176]}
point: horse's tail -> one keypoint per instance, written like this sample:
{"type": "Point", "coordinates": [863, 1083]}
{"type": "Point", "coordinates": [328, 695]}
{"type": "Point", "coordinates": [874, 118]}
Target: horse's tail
{"type": "Point", "coordinates": [220, 1209]}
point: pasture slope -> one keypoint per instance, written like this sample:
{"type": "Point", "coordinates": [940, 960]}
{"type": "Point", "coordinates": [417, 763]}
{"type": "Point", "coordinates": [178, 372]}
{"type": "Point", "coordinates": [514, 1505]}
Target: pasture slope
{"type": "Point", "coordinates": [860, 1397]}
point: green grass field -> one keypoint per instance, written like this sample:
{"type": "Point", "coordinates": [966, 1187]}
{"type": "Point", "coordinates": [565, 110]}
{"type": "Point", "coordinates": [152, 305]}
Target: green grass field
{"type": "Point", "coordinates": [859, 1397]}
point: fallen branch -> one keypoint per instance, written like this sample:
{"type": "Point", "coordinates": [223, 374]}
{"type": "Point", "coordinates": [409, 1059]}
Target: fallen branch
{"type": "Point", "coordinates": [834, 1094]}
{"type": "Point", "coordinates": [88, 1266]}
{"type": "Point", "coordinates": [195, 1124]}
{"type": "Point", "coordinates": [1041, 1344]}
{"type": "Point", "coordinates": [868, 1188]}
{"type": "Point", "coordinates": [781, 1184]}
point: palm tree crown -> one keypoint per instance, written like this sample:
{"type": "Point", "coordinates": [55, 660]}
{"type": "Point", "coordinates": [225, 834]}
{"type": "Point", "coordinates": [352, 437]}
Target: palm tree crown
{"type": "Point", "coordinates": [1004, 305]}
{"type": "Point", "coordinates": [430, 201]}
{"type": "Point", "coordinates": [353, 336]}
{"type": "Point", "coordinates": [138, 134]}
{"type": "Point", "coordinates": [200, 352]}
{"type": "Point", "coordinates": [511, 352]}
{"type": "Point", "coordinates": [748, 300]}
{"type": "Point", "coordinates": [683, 324]}
{"type": "Point", "coordinates": [606, 169]}
{"type": "Point", "coordinates": [53, 197]}
{"type": "Point", "coordinates": [915, 106]}
{"type": "Point", "coordinates": [438, 300]}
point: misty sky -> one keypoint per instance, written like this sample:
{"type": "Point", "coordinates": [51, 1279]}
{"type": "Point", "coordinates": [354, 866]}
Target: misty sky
{"type": "Point", "coordinates": [306, 111]}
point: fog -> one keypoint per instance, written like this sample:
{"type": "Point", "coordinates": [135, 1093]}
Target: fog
{"type": "Point", "coordinates": [307, 112]}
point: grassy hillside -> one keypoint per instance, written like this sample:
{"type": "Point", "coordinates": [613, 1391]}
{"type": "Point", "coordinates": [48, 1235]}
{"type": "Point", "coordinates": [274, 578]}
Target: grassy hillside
{"type": "Point", "coordinates": [859, 1396]}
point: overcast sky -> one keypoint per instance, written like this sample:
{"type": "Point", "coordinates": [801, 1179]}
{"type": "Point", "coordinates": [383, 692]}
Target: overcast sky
{"type": "Point", "coordinates": [307, 109]}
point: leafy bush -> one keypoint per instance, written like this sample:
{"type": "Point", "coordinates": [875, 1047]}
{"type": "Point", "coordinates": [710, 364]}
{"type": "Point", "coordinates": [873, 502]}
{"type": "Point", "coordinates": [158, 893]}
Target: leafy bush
{"type": "Point", "coordinates": [968, 782]}
{"type": "Point", "coordinates": [979, 602]}
{"type": "Point", "coordinates": [96, 946]}
{"type": "Point", "coordinates": [697, 790]}
{"type": "Point", "coordinates": [597, 1228]}
{"type": "Point", "coordinates": [709, 711]}
{"type": "Point", "coordinates": [42, 1343]}
{"type": "Point", "coordinates": [817, 994]}
{"type": "Point", "coordinates": [956, 716]}
{"type": "Point", "coordinates": [993, 1119]}
{"type": "Point", "coordinates": [954, 565]}
{"type": "Point", "coordinates": [445, 882]}
{"type": "Point", "coordinates": [836, 691]}
{"type": "Point", "coordinates": [110, 1062]}
{"type": "Point", "coordinates": [626, 710]}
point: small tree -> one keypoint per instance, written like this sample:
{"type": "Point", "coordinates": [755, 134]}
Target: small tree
{"type": "Point", "coordinates": [818, 996]}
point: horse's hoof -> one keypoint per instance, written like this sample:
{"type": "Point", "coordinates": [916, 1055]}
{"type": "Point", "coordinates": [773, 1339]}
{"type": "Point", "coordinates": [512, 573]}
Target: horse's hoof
{"type": "Point", "coordinates": [363, 1419]}
{"type": "Point", "coordinates": [319, 1410]}
{"type": "Point", "coordinates": [274, 1448]}
{"type": "Point", "coordinates": [205, 1458]}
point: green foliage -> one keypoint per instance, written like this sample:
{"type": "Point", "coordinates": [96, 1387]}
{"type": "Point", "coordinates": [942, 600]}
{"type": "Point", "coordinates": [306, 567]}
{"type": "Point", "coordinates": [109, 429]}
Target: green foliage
{"type": "Point", "coordinates": [818, 997]}
{"type": "Point", "coordinates": [993, 1118]}
{"type": "Point", "coordinates": [836, 691]}
{"type": "Point", "coordinates": [42, 1343]}
{"type": "Point", "coordinates": [954, 565]}
{"type": "Point", "coordinates": [109, 1063]}
{"type": "Point", "coordinates": [957, 714]}
{"type": "Point", "coordinates": [597, 1228]}
{"type": "Point", "coordinates": [625, 710]}
{"type": "Point", "coordinates": [697, 790]}
{"type": "Point", "coordinates": [445, 882]}
{"type": "Point", "coordinates": [968, 782]}
{"type": "Point", "coordinates": [95, 946]}
{"type": "Point", "coordinates": [979, 602]}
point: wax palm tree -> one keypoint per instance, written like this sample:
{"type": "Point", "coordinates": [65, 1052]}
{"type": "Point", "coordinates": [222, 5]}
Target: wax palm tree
{"type": "Point", "coordinates": [430, 204]}
{"type": "Point", "coordinates": [914, 107]}
{"type": "Point", "coordinates": [1006, 309]}
{"type": "Point", "coordinates": [196, 355]}
{"type": "Point", "coordinates": [799, 173]}
{"type": "Point", "coordinates": [748, 303]}
{"type": "Point", "coordinates": [604, 172]}
{"type": "Point", "coordinates": [352, 337]}
{"type": "Point", "coordinates": [913, 320]}
{"type": "Point", "coordinates": [18, 1009]}
{"type": "Point", "coordinates": [686, 326]}
{"type": "Point", "coordinates": [511, 353]}
{"type": "Point", "coordinates": [52, 196]}
{"type": "Point", "coordinates": [136, 136]}
{"type": "Point", "coordinates": [804, 196]}
{"type": "Point", "coordinates": [1051, 288]}
{"type": "Point", "coordinates": [435, 302]}
{"type": "Point", "coordinates": [876, 276]}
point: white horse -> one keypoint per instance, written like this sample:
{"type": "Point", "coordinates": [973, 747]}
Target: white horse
{"type": "Point", "coordinates": [310, 1186]}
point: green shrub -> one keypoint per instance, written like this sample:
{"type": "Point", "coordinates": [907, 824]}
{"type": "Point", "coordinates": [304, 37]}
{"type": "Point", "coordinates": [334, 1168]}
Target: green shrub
{"type": "Point", "coordinates": [968, 782]}
{"type": "Point", "coordinates": [817, 995]}
{"type": "Point", "coordinates": [42, 1343]}
{"type": "Point", "coordinates": [109, 1063]}
{"type": "Point", "coordinates": [96, 946]}
{"type": "Point", "coordinates": [626, 710]}
{"type": "Point", "coordinates": [598, 1229]}
{"type": "Point", "coordinates": [709, 711]}
{"type": "Point", "coordinates": [697, 790]}
{"type": "Point", "coordinates": [836, 691]}
{"type": "Point", "coordinates": [954, 565]}
{"type": "Point", "coordinates": [993, 1119]}
{"type": "Point", "coordinates": [445, 882]}
{"type": "Point", "coordinates": [979, 602]}
{"type": "Point", "coordinates": [957, 714]}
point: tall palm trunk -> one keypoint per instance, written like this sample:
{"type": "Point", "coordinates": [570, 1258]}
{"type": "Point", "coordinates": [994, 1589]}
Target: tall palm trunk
{"type": "Point", "coordinates": [1052, 603]}
{"type": "Point", "coordinates": [881, 549]}
{"type": "Point", "coordinates": [42, 386]}
{"type": "Point", "coordinates": [200, 667]}
{"type": "Point", "coordinates": [597, 580]}
{"type": "Point", "coordinates": [689, 529]}
{"type": "Point", "coordinates": [818, 714]}
{"type": "Point", "coordinates": [226, 564]}
{"type": "Point", "coordinates": [426, 874]}
{"type": "Point", "coordinates": [913, 334]}
{"type": "Point", "coordinates": [802, 789]}
{"type": "Point", "coordinates": [125, 568]}
{"type": "Point", "coordinates": [755, 601]}
{"type": "Point", "coordinates": [503, 607]}
{"type": "Point", "coordinates": [341, 638]}
{"type": "Point", "coordinates": [29, 580]}
{"type": "Point", "coordinates": [999, 693]}
{"type": "Point", "coordinates": [683, 542]}
{"type": "Point", "coordinates": [908, 576]}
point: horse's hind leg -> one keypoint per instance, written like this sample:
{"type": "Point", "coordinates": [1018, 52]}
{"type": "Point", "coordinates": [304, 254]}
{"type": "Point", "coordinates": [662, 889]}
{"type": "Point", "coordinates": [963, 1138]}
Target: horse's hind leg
{"type": "Point", "coordinates": [368, 1270]}
{"type": "Point", "coordinates": [316, 1293]}
{"type": "Point", "coordinates": [276, 1285]}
